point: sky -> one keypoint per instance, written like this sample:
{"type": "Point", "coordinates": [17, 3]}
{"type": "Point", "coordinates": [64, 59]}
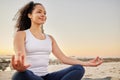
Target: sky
{"type": "Point", "coordinates": [82, 28]}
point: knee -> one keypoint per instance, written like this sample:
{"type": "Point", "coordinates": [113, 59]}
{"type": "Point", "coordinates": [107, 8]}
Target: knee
{"type": "Point", "coordinates": [19, 75]}
{"type": "Point", "coordinates": [79, 67]}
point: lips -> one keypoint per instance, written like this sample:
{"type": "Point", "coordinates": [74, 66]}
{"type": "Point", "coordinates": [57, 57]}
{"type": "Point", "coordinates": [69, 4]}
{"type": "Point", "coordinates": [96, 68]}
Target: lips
{"type": "Point", "coordinates": [42, 19]}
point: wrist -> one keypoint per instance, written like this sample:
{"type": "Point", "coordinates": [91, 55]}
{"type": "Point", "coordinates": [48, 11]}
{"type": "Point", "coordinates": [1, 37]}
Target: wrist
{"type": "Point", "coordinates": [87, 64]}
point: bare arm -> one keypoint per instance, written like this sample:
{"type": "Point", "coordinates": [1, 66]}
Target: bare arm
{"type": "Point", "coordinates": [67, 60]}
{"type": "Point", "coordinates": [18, 63]}
{"type": "Point", "coordinates": [18, 43]}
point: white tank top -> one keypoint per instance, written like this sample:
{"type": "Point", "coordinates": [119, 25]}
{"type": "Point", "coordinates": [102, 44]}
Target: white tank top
{"type": "Point", "coordinates": [37, 53]}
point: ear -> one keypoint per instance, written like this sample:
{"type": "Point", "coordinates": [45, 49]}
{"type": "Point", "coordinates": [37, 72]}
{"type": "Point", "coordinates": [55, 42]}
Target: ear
{"type": "Point", "coordinates": [29, 15]}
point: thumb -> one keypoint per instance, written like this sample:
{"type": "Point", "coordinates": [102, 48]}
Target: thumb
{"type": "Point", "coordinates": [28, 65]}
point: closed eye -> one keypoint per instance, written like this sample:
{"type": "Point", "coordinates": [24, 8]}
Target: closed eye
{"type": "Point", "coordinates": [40, 11]}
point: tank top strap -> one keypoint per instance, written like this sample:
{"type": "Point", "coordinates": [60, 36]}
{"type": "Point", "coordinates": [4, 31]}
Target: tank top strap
{"type": "Point", "coordinates": [27, 35]}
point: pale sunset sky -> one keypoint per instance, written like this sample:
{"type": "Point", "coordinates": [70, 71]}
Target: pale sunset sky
{"type": "Point", "coordinates": [82, 28]}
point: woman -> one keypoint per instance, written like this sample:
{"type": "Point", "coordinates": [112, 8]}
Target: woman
{"type": "Point", "coordinates": [33, 46]}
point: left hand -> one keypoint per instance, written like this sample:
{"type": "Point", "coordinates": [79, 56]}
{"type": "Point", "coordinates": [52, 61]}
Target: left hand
{"type": "Point", "coordinates": [95, 62]}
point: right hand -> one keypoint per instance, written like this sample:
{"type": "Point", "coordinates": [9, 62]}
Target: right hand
{"type": "Point", "coordinates": [19, 63]}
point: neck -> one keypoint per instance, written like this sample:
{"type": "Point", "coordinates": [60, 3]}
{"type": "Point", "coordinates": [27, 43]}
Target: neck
{"type": "Point", "coordinates": [36, 28]}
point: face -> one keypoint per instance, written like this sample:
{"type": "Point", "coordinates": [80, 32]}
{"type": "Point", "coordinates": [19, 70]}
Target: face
{"type": "Point", "coordinates": [38, 15]}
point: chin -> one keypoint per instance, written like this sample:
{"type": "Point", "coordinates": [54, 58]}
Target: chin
{"type": "Point", "coordinates": [40, 23]}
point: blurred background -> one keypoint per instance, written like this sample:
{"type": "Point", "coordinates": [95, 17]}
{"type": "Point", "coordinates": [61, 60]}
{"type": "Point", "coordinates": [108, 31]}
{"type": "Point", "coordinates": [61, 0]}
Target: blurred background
{"type": "Point", "coordinates": [82, 28]}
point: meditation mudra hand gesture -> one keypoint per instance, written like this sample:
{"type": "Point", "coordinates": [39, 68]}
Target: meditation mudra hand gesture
{"type": "Point", "coordinates": [95, 62]}
{"type": "Point", "coordinates": [18, 63]}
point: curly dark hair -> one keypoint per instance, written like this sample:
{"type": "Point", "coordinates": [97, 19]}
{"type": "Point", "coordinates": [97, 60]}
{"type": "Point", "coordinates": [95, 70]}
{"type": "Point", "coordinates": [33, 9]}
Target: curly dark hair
{"type": "Point", "coordinates": [23, 21]}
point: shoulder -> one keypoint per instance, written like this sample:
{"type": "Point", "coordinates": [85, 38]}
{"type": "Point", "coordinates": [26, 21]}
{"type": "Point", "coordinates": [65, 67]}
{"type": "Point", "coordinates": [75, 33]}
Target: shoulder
{"type": "Point", "coordinates": [51, 37]}
{"type": "Point", "coordinates": [20, 34]}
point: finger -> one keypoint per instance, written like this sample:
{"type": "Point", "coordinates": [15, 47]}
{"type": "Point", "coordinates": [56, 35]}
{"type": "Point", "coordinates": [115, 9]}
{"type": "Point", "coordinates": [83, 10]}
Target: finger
{"type": "Point", "coordinates": [95, 59]}
{"type": "Point", "coordinates": [19, 59]}
{"type": "Point", "coordinates": [99, 58]}
{"type": "Point", "coordinates": [18, 63]}
{"type": "Point", "coordinates": [13, 61]}
{"type": "Point", "coordinates": [26, 66]}
{"type": "Point", "coordinates": [22, 59]}
{"type": "Point", "coordinates": [100, 62]}
{"type": "Point", "coordinates": [23, 68]}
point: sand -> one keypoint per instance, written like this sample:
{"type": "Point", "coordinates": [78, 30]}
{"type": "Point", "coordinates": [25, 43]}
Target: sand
{"type": "Point", "coordinates": [106, 71]}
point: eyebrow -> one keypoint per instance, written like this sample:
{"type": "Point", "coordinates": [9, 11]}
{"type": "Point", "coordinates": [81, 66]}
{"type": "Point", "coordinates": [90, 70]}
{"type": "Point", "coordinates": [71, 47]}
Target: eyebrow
{"type": "Point", "coordinates": [42, 10]}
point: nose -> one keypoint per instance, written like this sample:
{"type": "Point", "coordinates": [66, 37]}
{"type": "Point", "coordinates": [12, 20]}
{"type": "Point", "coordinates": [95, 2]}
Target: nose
{"type": "Point", "coordinates": [43, 14]}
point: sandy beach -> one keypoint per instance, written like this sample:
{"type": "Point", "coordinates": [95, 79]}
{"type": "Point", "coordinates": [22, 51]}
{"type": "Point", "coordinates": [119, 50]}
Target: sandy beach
{"type": "Point", "coordinates": [106, 71]}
